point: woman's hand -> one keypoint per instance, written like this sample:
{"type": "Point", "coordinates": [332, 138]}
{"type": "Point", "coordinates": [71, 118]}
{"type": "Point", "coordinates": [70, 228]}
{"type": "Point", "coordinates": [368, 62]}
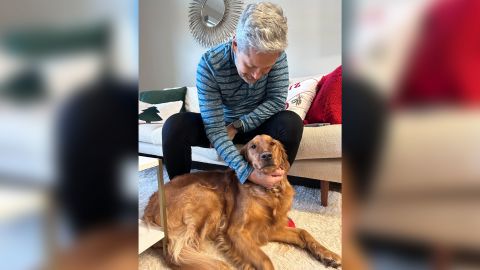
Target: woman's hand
{"type": "Point", "coordinates": [232, 131]}
{"type": "Point", "coordinates": [267, 180]}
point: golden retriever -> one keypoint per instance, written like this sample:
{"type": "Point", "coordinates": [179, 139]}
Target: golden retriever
{"type": "Point", "coordinates": [239, 218]}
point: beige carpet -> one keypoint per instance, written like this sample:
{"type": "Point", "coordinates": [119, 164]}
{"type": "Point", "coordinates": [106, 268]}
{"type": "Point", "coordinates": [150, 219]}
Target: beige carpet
{"type": "Point", "coordinates": [324, 223]}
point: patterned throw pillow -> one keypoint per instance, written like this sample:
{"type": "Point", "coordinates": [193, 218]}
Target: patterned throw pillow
{"type": "Point", "coordinates": [327, 104]}
{"type": "Point", "coordinates": [163, 96]}
{"type": "Point", "coordinates": [300, 96]}
{"type": "Point", "coordinates": [157, 113]}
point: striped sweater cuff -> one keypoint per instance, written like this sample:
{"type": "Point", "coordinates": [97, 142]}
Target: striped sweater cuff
{"type": "Point", "coordinates": [244, 174]}
{"type": "Point", "coordinates": [246, 125]}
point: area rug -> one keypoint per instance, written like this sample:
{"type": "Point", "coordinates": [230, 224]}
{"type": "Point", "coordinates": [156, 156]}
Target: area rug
{"type": "Point", "coordinates": [324, 223]}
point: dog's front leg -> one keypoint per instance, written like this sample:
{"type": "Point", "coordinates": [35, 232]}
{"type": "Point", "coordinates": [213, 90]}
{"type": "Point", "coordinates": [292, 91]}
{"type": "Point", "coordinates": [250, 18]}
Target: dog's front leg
{"type": "Point", "coordinates": [305, 240]}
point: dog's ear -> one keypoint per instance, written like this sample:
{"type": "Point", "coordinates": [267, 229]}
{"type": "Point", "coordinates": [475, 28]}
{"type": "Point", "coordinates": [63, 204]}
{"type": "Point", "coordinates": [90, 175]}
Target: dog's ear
{"type": "Point", "coordinates": [284, 164]}
{"type": "Point", "coordinates": [244, 152]}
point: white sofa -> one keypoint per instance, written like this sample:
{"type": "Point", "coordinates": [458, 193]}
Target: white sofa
{"type": "Point", "coordinates": [318, 158]}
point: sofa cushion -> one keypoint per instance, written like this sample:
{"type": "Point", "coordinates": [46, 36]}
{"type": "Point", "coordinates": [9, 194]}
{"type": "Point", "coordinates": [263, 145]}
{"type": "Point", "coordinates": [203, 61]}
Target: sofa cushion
{"type": "Point", "coordinates": [317, 142]}
{"type": "Point", "coordinates": [165, 95]}
{"type": "Point", "coordinates": [145, 133]}
{"type": "Point", "coordinates": [327, 104]}
{"type": "Point", "coordinates": [321, 142]}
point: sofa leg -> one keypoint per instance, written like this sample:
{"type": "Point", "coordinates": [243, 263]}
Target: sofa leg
{"type": "Point", "coordinates": [324, 186]}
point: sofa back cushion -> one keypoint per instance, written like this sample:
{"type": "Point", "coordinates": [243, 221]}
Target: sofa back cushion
{"type": "Point", "coordinates": [191, 100]}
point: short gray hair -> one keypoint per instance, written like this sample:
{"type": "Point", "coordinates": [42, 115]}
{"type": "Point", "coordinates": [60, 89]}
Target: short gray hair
{"type": "Point", "coordinates": [263, 27]}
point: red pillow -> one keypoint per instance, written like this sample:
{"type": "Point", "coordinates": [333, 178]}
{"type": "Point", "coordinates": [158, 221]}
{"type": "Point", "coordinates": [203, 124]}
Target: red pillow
{"type": "Point", "coordinates": [327, 104]}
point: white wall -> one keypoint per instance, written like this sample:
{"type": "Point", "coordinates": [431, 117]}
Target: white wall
{"type": "Point", "coordinates": [169, 54]}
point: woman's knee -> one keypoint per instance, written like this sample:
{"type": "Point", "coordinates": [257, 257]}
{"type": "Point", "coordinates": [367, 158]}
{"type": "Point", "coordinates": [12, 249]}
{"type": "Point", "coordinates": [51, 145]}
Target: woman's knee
{"type": "Point", "coordinates": [173, 127]}
{"type": "Point", "coordinates": [182, 126]}
{"type": "Point", "coordinates": [292, 123]}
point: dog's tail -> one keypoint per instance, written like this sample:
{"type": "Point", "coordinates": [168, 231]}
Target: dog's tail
{"type": "Point", "coordinates": [184, 252]}
{"type": "Point", "coordinates": [151, 211]}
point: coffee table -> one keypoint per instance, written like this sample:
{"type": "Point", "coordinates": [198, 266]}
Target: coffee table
{"type": "Point", "coordinates": [149, 235]}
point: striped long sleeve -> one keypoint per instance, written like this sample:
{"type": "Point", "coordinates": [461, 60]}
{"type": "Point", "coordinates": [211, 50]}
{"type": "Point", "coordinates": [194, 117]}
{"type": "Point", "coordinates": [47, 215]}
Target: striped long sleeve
{"type": "Point", "coordinates": [211, 109]}
{"type": "Point", "coordinates": [277, 90]}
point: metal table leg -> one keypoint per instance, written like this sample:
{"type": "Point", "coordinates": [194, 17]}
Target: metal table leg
{"type": "Point", "coordinates": [162, 204]}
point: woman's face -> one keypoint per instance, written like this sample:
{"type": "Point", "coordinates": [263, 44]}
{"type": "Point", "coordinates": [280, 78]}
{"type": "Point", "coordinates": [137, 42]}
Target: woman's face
{"type": "Point", "coordinates": [253, 65]}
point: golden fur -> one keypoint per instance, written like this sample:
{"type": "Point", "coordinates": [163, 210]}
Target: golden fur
{"type": "Point", "coordinates": [239, 218]}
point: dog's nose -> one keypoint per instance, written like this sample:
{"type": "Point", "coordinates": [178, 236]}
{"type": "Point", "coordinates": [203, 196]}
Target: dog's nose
{"type": "Point", "coordinates": [266, 155]}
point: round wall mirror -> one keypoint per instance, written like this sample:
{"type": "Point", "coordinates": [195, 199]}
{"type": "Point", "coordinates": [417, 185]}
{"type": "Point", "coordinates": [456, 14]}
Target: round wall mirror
{"type": "Point", "coordinates": [214, 21]}
{"type": "Point", "coordinates": [212, 12]}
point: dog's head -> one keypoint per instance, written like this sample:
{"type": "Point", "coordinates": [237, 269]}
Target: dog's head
{"type": "Point", "coordinates": [266, 154]}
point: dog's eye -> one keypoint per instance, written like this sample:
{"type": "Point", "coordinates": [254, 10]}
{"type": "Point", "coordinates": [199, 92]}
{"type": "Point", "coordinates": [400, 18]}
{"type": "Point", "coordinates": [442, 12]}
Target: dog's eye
{"type": "Point", "coordinates": [253, 146]}
{"type": "Point", "coordinates": [272, 143]}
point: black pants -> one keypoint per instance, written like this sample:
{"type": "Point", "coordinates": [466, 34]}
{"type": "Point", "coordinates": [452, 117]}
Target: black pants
{"type": "Point", "coordinates": [184, 130]}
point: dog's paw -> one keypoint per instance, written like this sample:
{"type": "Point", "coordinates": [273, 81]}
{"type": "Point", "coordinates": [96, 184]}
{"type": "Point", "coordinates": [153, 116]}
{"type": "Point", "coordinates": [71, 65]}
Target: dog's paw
{"type": "Point", "coordinates": [331, 259]}
{"type": "Point", "coordinates": [324, 255]}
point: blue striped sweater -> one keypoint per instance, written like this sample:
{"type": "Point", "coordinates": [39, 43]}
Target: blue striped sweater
{"type": "Point", "coordinates": [224, 97]}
